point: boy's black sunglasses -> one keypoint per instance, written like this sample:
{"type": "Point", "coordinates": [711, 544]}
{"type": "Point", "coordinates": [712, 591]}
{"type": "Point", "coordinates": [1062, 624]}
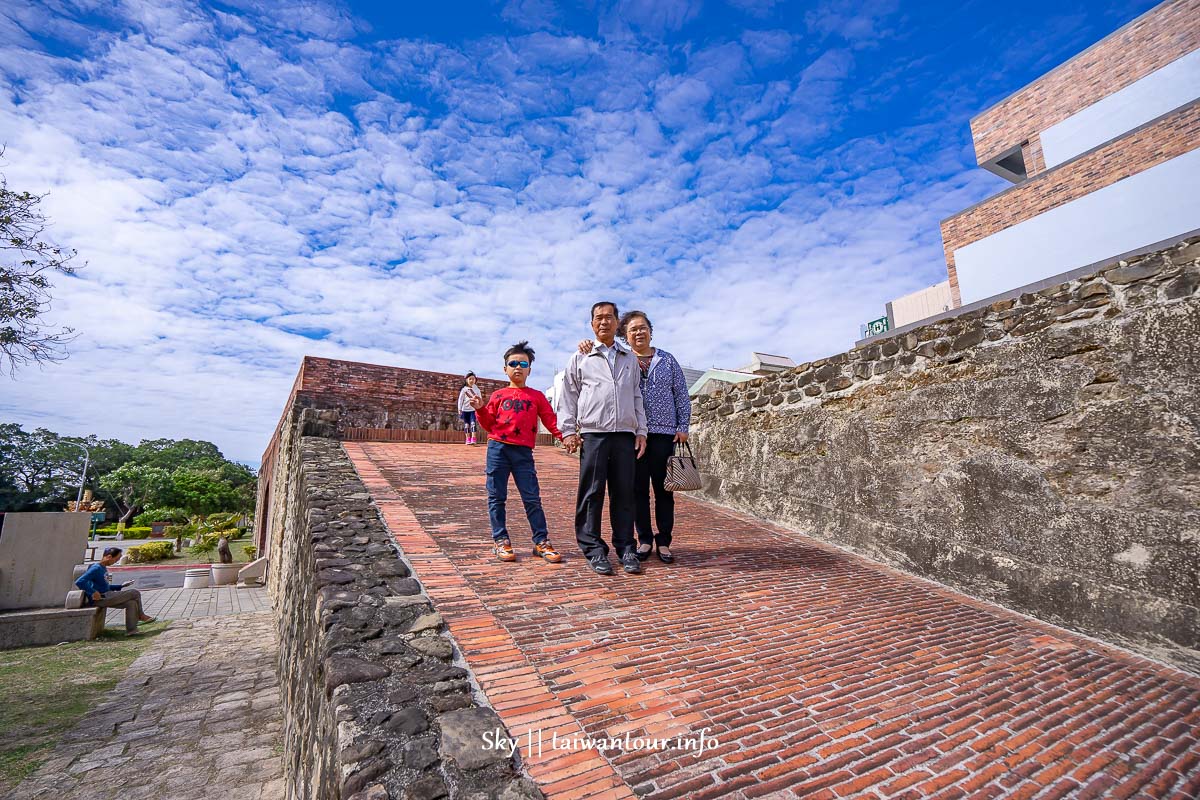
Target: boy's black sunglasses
{"type": "Point", "coordinates": [519, 364]}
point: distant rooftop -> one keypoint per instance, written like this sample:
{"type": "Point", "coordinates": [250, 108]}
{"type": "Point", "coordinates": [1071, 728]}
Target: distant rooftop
{"type": "Point", "coordinates": [765, 362]}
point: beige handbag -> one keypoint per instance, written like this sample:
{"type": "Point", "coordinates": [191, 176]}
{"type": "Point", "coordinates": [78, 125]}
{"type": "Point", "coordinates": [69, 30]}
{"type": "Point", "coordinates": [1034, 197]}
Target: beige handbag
{"type": "Point", "coordinates": [682, 473]}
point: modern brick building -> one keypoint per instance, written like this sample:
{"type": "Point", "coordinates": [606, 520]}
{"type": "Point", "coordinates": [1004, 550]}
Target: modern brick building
{"type": "Point", "coordinates": [1104, 152]}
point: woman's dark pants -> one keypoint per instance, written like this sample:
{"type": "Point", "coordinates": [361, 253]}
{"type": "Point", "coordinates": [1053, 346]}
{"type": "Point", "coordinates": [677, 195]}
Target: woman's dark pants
{"type": "Point", "coordinates": [651, 470]}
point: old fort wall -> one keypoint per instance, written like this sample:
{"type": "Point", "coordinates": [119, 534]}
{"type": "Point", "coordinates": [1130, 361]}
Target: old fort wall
{"type": "Point", "coordinates": [374, 704]}
{"type": "Point", "coordinates": [1042, 453]}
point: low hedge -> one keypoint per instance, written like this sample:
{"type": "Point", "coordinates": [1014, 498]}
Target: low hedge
{"type": "Point", "coordinates": [131, 532]}
{"type": "Point", "coordinates": [152, 551]}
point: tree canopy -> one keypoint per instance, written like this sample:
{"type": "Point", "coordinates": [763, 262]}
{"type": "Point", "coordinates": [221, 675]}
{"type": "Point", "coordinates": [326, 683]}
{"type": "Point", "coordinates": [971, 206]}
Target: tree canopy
{"type": "Point", "coordinates": [40, 470]}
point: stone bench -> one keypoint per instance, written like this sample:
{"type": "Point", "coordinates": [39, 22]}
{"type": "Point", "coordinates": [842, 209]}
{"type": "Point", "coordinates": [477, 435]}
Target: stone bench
{"type": "Point", "coordinates": [49, 626]}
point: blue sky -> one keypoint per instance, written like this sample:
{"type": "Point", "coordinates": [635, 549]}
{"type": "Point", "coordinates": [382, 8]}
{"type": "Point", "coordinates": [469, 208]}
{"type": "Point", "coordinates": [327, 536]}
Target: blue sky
{"type": "Point", "coordinates": [421, 184]}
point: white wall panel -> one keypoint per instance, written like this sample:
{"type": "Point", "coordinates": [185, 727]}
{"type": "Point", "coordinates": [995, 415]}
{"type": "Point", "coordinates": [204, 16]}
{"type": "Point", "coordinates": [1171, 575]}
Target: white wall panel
{"type": "Point", "coordinates": [922, 304]}
{"type": "Point", "coordinates": [1154, 205]}
{"type": "Point", "coordinates": [1163, 90]}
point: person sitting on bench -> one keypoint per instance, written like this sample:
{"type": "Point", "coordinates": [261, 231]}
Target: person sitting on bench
{"type": "Point", "coordinates": [97, 591]}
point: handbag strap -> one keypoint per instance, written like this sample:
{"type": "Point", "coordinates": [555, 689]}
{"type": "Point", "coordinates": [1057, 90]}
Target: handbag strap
{"type": "Point", "coordinates": [680, 447]}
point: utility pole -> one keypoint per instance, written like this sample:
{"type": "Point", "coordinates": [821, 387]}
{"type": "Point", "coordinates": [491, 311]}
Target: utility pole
{"type": "Point", "coordinates": [87, 457]}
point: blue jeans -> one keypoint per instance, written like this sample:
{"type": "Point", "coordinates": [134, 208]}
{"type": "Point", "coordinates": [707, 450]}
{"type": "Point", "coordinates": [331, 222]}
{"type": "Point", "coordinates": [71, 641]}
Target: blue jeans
{"type": "Point", "coordinates": [510, 459]}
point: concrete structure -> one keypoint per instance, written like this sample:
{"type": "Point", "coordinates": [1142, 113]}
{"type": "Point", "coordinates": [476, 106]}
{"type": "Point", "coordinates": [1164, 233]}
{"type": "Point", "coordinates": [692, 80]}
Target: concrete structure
{"type": "Point", "coordinates": [767, 364]}
{"type": "Point", "coordinates": [919, 305]}
{"type": "Point", "coordinates": [38, 554]}
{"type": "Point", "coordinates": [49, 626]}
{"type": "Point", "coordinates": [1104, 153]}
{"type": "Point", "coordinates": [1040, 454]}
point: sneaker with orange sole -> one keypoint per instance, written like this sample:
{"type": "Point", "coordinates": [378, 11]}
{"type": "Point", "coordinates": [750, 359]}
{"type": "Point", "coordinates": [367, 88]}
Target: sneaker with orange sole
{"type": "Point", "coordinates": [504, 550]}
{"type": "Point", "coordinates": [546, 551]}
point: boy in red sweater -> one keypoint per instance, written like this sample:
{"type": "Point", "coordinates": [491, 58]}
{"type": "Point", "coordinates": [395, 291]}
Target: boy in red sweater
{"type": "Point", "coordinates": [511, 419]}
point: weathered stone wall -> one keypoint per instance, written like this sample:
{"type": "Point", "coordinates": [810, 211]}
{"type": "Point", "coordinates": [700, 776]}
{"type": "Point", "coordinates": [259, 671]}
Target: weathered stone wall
{"type": "Point", "coordinates": [1043, 453]}
{"type": "Point", "coordinates": [373, 706]}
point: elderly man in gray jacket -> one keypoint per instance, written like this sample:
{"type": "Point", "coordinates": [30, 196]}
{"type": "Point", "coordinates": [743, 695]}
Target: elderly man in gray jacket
{"type": "Point", "coordinates": [601, 411]}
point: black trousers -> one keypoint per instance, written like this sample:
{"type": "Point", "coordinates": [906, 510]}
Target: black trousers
{"type": "Point", "coordinates": [651, 470]}
{"type": "Point", "coordinates": [606, 459]}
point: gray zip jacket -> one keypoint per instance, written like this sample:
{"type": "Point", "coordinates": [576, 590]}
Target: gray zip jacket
{"type": "Point", "coordinates": [597, 399]}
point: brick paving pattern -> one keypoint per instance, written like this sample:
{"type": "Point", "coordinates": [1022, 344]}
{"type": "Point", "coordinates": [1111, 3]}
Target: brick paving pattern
{"type": "Point", "coordinates": [195, 716]}
{"type": "Point", "coordinates": [820, 674]}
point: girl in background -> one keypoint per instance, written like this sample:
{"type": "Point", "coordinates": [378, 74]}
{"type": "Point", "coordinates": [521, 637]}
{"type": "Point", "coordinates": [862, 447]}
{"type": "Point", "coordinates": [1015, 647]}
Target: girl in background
{"type": "Point", "coordinates": [466, 411]}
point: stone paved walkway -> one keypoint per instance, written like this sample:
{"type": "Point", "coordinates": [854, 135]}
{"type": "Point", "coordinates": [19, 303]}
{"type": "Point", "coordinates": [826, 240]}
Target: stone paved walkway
{"type": "Point", "coordinates": [819, 673]}
{"type": "Point", "coordinates": [196, 716]}
{"type": "Point", "coordinates": [214, 601]}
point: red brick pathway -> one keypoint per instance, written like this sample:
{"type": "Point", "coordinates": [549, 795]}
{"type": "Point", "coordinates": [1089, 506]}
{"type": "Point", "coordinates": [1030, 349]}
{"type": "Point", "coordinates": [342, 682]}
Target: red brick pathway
{"type": "Point", "coordinates": [817, 673]}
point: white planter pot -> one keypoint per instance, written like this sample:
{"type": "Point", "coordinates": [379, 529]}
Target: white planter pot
{"type": "Point", "coordinates": [225, 574]}
{"type": "Point", "coordinates": [196, 578]}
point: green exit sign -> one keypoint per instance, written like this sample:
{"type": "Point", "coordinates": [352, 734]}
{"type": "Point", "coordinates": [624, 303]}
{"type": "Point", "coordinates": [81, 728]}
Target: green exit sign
{"type": "Point", "coordinates": [875, 327]}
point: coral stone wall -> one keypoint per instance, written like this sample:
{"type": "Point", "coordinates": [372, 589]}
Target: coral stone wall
{"type": "Point", "coordinates": [374, 707]}
{"type": "Point", "coordinates": [1043, 453]}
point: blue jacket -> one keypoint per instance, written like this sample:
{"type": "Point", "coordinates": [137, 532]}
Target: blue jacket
{"type": "Point", "coordinates": [665, 396]}
{"type": "Point", "coordinates": [94, 579]}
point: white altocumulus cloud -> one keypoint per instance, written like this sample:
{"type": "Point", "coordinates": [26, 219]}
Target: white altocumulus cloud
{"type": "Point", "coordinates": [257, 183]}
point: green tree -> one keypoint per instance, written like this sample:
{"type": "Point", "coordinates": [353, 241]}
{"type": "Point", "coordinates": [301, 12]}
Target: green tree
{"type": "Point", "coordinates": [37, 466]}
{"type": "Point", "coordinates": [133, 486]}
{"type": "Point", "coordinates": [171, 454]}
{"type": "Point", "coordinates": [201, 491]}
{"type": "Point", "coordinates": [41, 470]}
{"type": "Point", "coordinates": [26, 265]}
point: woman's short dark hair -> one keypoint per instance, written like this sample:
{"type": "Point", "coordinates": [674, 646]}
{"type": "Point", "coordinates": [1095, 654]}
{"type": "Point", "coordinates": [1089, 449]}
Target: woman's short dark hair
{"type": "Point", "coordinates": [628, 317]}
{"type": "Point", "coordinates": [112, 551]}
{"type": "Point", "coordinates": [519, 347]}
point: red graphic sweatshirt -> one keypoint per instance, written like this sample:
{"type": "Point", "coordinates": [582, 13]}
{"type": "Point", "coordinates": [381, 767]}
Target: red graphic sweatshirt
{"type": "Point", "coordinates": [511, 416]}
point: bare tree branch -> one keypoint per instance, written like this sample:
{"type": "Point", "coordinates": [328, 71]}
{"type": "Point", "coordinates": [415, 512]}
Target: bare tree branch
{"type": "Point", "coordinates": [26, 263]}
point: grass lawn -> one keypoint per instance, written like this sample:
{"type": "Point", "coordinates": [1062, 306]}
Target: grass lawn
{"type": "Point", "coordinates": [46, 689]}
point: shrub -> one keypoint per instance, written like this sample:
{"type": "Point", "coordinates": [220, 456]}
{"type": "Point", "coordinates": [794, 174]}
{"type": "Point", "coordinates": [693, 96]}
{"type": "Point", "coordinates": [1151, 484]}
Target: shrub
{"type": "Point", "coordinates": [251, 551]}
{"type": "Point", "coordinates": [131, 532]}
{"type": "Point", "coordinates": [160, 514]}
{"type": "Point", "coordinates": [204, 545]}
{"type": "Point", "coordinates": [144, 553]}
{"type": "Point", "coordinates": [223, 520]}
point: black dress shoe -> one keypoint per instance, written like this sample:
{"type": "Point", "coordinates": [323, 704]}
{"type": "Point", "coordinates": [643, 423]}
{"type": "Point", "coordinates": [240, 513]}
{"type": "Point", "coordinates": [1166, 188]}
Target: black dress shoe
{"type": "Point", "coordinates": [666, 558]}
{"type": "Point", "coordinates": [630, 563]}
{"type": "Point", "coordinates": [644, 556]}
{"type": "Point", "coordinates": [600, 565]}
